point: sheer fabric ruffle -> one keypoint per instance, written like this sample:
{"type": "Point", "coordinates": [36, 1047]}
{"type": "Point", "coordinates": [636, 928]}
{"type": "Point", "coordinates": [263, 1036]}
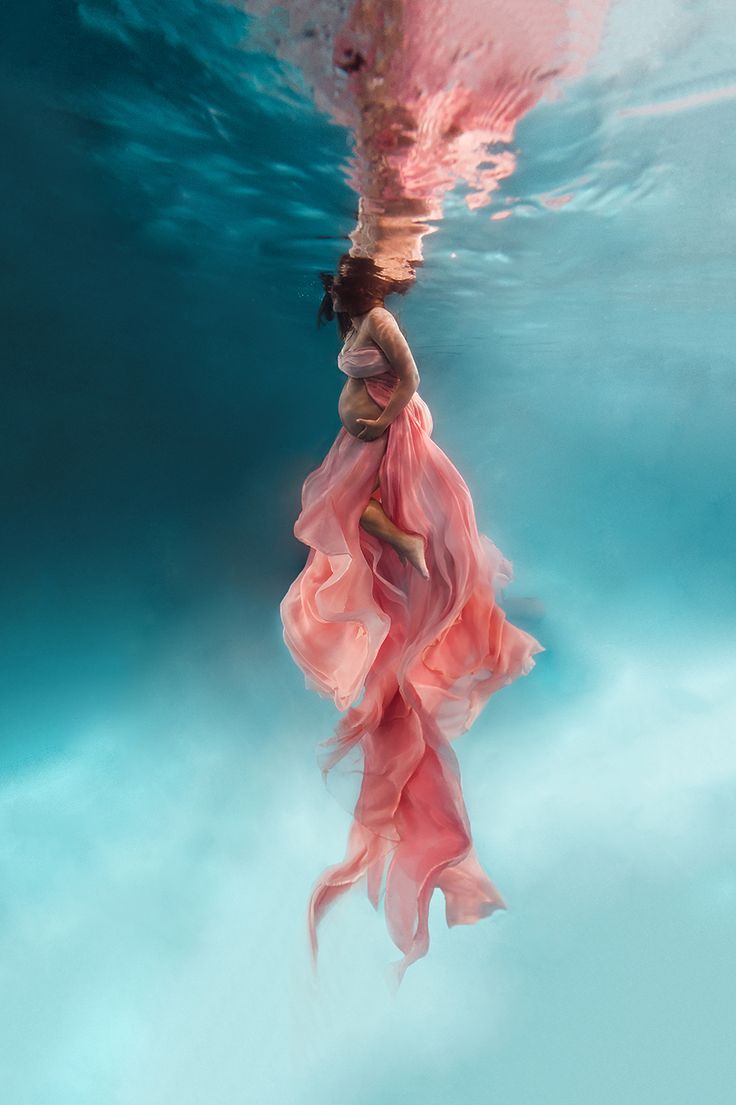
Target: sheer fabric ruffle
{"type": "Point", "coordinates": [411, 661]}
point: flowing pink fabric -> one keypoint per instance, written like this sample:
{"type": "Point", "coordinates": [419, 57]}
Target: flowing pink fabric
{"type": "Point", "coordinates": [425, 655]}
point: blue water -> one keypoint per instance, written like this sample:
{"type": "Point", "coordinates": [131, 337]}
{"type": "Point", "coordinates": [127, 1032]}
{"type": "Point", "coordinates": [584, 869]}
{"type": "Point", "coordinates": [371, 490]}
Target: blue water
{"type": "Point", "coordinates": [168, 197]}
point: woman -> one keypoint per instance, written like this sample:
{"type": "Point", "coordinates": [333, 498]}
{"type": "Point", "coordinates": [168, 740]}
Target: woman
{"type": "Point", "coordinates": [357, 294]}
{"type": "Point", "coordinates": [397, 601]}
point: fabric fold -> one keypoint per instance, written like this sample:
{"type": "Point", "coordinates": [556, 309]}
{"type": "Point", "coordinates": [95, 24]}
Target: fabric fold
{"type": "Point", "coordinates": [411, 661]}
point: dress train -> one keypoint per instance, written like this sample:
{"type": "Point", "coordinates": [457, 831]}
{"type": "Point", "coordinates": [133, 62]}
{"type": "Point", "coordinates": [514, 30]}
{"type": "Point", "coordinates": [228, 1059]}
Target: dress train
{"type": "Point", "coordinates": [411, 661]}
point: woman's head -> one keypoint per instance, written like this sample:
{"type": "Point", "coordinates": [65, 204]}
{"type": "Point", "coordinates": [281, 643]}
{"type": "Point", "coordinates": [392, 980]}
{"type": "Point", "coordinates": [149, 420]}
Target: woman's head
{"type": "Point", "coordinates": [358, 287]}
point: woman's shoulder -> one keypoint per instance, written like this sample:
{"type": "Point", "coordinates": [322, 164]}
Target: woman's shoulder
{"type": "Point", "coordinates": [381, 312]}
{"type": "Point", "coordinates": [381, 320]}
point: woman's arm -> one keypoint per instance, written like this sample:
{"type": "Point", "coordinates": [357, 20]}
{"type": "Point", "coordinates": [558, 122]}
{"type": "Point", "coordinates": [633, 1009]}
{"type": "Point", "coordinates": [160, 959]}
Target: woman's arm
{"type": "Point", "coordinates": [384, 329]}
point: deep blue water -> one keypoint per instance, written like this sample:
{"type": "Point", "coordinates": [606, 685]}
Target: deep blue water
{"type": "Point", "coordinates": [167, 201]}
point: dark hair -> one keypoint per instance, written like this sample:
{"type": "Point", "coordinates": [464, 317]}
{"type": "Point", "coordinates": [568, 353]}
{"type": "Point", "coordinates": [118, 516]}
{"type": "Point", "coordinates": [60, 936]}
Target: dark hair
{"type": "Point", "coordinates": [364, 278]}
{"type": "Point", "coordinates": [326, 311]}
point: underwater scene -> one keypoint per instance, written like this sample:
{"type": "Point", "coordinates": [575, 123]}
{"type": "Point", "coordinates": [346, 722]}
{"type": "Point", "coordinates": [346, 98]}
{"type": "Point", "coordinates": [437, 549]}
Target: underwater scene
{"type": "Point", "coordinates": [213, 543]}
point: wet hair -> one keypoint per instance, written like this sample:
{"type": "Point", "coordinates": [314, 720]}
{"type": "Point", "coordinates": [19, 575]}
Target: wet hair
{"type": "Point", "coordinates": [363, 279]}
{"type": "Point", "coordinates": [326, 311]}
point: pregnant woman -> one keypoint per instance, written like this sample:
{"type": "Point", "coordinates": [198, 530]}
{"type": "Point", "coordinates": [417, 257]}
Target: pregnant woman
{"type": "Point", "coordinates": [395, 618]}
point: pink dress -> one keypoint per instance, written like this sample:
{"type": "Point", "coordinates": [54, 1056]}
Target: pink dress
{"type": "Point", "coordinates": [425, 655]}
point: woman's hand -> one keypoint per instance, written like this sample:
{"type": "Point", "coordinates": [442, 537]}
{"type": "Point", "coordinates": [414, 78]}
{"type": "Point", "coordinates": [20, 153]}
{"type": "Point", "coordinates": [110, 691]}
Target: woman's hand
{"type": "Point", "coordinates": [372, 428]}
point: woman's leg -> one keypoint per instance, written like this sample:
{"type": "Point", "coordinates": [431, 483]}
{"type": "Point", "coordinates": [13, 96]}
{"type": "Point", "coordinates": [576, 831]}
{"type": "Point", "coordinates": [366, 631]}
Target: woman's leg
{"type": "Point", "coordinates": [375, 521]}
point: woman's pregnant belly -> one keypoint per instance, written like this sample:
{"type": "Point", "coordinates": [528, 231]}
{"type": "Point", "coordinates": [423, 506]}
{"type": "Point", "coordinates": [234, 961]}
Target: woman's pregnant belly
{"type": "Point", "coordinates": [354, 403]}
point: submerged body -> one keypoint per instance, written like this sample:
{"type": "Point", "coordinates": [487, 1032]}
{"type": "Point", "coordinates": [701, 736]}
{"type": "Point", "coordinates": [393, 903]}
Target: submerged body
{"type": "Point", "coordinates": [411, 660]}
{"type": "Point", "coordinates": [355, 401]}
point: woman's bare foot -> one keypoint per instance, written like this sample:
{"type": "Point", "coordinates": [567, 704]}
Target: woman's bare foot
{"type": "Point", "coordinates": [408, 545]}
{"type": "Point", "coordinates": [411, 547]}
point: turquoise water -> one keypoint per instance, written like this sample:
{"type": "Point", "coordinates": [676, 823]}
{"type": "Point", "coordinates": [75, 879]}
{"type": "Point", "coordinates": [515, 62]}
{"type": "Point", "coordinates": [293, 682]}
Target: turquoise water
{"type": "Point", "coordinates": [169, 196]}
